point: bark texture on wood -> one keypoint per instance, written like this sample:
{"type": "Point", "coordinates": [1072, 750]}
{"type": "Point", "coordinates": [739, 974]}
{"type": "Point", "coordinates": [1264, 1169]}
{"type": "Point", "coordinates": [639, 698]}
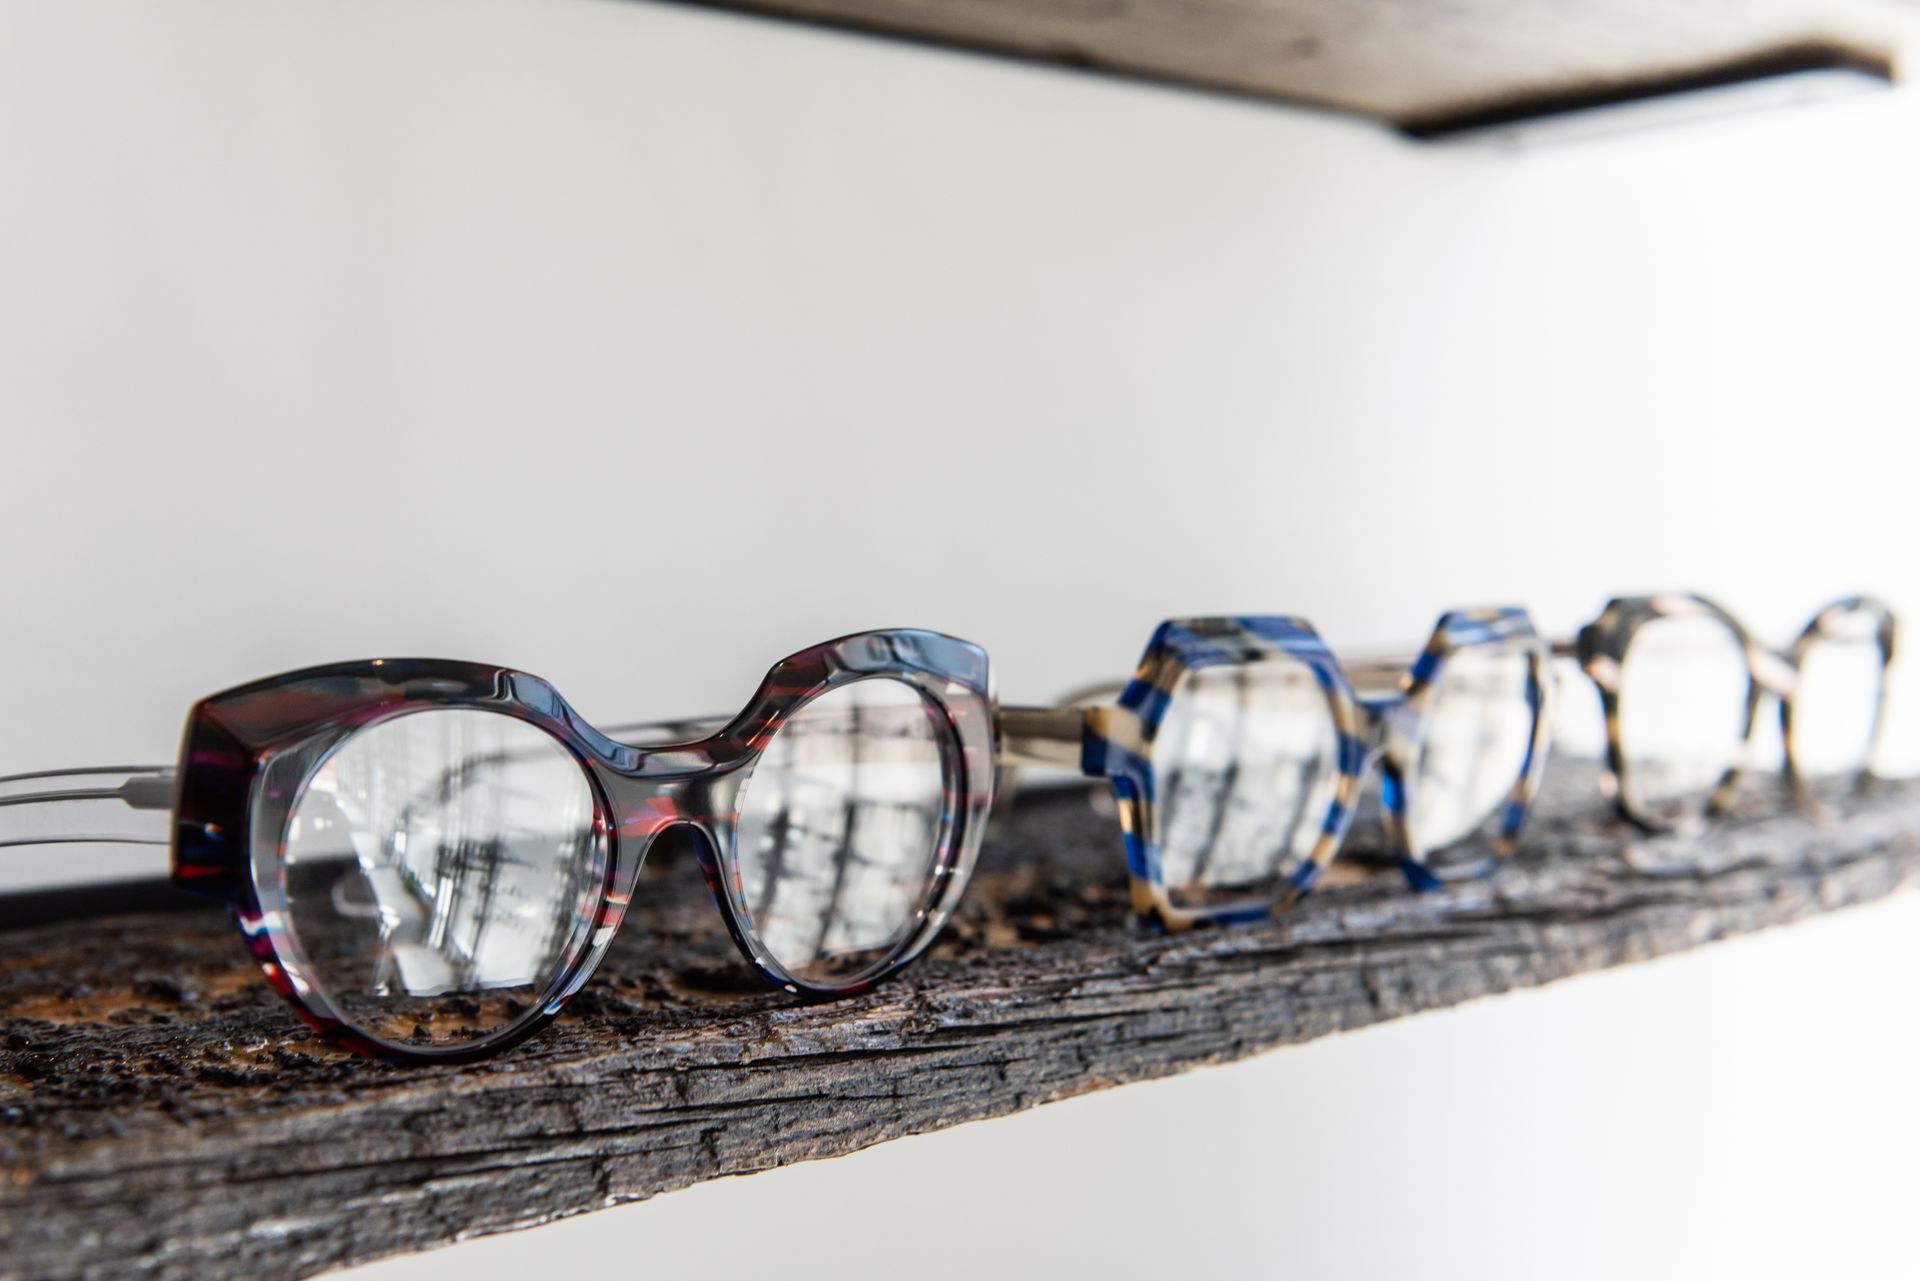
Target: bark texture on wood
{"type": "Point", "coordinates": [1416, 64]}
{"type": "Point", "coordinates": [162, 1115]}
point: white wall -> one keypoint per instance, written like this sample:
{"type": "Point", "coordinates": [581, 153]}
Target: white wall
{"type": "Point", "coordinates": [638, 346]}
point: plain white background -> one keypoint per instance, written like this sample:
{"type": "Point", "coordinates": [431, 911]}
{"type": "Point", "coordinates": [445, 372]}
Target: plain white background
{"type": "Point", "coordinates": [637, 346]}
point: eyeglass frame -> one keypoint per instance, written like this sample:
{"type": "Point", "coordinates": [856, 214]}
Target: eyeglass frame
{"type": "Point", "coordinates": [1115, 742]}
{"type": "Point", "coordinates": [1600, 649]}
{"type": "Point", "coordinates": [248, 752]}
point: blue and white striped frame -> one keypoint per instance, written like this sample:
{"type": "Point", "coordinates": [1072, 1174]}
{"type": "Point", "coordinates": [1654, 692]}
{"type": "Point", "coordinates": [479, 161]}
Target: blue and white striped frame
{"type": "Point", "coordinates": [1117, 742]}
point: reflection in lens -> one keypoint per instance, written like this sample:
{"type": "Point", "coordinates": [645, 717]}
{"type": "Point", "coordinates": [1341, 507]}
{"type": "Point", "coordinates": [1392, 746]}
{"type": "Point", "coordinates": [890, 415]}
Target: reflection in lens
{"type": "Point", "coordinates": [1474, 734]}
{"type": "Point", "coordinates": [1683, 713]}
{"type": "Point", "coordinates": [442, 868]}
{"type": "Point", "coordinates": [1835, 697]}
{"type": "Point", "coordinates": [1245, 763]}
{"type": "Point", "coordinates": [840, 828]}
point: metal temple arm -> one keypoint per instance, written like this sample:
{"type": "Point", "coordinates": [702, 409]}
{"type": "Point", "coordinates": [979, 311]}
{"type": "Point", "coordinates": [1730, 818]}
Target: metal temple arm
{"type": "Point", "coordinates": [1379, 675]}
{"type": "Point", "coordinates": [1774, 673]}
{"type": "Point", "coordinates": [118, 804]}
{"type": "Point", "coordinates": [133, 804]}
{"type": "Point", "coordinates": [1050, 737]}
{"type": "Point", "coordinates": [1044, 736]}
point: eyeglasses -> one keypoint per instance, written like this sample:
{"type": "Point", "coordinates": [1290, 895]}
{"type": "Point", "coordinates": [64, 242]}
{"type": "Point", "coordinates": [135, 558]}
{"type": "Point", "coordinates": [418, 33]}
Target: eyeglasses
{"type": "Point", "coordinates": [428, 858]}
{"type": "Point", "coordinates": [1238, 750]}
{"type": "Point", "coordinates": [1681, 682]}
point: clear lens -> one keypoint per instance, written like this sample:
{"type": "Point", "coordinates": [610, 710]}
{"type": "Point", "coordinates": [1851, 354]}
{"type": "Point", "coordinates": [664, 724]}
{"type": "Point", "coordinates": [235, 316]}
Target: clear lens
{"type": "Point", "coordinates": [1246, 767]}
{"type": "Point", "coordinates": [442, 869]}
{"type": "Point", "coordinates": [840, 828]}
{"type": "Point", "coordinates": [1897, 755]}
{"type": "Point", "coordinates": [1683, 713]}
{"type": "Point", "coordinates": [1474, 734]}
{"type": "Point", "coordinates": [1835, 697]}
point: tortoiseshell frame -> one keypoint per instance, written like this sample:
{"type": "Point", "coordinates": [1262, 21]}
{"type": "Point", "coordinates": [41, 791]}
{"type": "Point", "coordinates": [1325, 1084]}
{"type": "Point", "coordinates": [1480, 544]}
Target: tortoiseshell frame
{"type": "Point", "coordinates": [1118, 742]}
{"type": "Point", "coordinates": [1601, 648]}
{"type": "Point", "coordinates": [248, 752]}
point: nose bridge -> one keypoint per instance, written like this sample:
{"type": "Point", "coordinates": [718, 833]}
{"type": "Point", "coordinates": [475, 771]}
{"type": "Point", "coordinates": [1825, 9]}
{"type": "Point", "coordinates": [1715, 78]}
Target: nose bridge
{"type": "Point", "coordinates": [647, 816]}
{"type": "Point", "coordinates": [641, 809]}
{"type": "Point", "coordinates": [1775, 674]}
{"type": "Point", "coordinates": [1382, 716]}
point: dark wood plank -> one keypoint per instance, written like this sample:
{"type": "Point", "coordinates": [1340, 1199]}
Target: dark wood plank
{"type": "Point", "coordinates": [1416, 64]}
{"type": "Point", "coordinates": [161, 1115]}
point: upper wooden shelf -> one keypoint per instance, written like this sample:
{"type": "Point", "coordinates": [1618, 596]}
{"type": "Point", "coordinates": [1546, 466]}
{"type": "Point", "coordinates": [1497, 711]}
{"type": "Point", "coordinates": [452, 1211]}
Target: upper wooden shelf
{"type": "Point", "coordinates": [162, 1113]}
{"type": "Point", "coordinates": [1426, 67]}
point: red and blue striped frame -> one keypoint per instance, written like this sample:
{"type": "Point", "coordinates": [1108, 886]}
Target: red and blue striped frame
{"type": "Point", "coordinates": [249, 751]}
{"type": "Point", "coordinates": [1117, 743]}
{"type": "Point", "coordinates": [1601, 647]}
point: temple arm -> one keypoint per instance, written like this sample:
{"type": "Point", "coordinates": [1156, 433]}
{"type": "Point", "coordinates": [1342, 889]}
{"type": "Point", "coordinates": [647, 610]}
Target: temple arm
{"type": "Point", "coordinates": [1052, 736]}
{"type": "Point", "coordinates": [1049, 737]}
{"type": "Point", "coordinates": [1772, 672]}
{"type": "Point", "coordinates": [1046, 736]}
{"type": "Point", "coordinates": [133, 804]}
{"type": "Point", "coordinates": [121, 804]}
{"type": "Point", "coordinates": [1379, 675]}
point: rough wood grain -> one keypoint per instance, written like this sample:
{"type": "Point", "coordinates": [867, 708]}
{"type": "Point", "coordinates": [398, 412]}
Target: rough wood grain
{"type": "Point", "coordinates": [161, 1115]}
{"type": "Point", "coordinates": [1413, 62]}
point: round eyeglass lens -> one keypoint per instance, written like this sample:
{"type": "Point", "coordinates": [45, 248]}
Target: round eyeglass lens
{"type": "Point", "coordinates": [1836, 697]}
{"type": "Point", "coordinates": [1246, 769]}
{"type": "Point", "coordinates": [443, 869]}
{"type": "Point", "coordinates": [1471, 748]}
{"type": "Point", "coordinates": [1683, 714]}
{"type": "Point", "coordinates": [841, 825]}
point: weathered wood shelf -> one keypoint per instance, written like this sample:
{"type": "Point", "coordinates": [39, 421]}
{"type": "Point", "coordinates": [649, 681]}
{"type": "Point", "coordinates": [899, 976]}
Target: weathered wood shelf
{"type": "Point", "coordinates": [1426, 67]}
{"type": "Point", "coordinates": [162, 1115]}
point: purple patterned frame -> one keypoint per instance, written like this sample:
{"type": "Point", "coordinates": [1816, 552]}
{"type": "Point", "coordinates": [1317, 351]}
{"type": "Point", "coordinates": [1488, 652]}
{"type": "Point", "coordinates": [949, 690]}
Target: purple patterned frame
{"type": "Point", "coordinates": [248, 752]}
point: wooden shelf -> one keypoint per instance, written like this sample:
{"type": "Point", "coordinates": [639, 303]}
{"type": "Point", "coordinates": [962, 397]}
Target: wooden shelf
{"type": "Point", "coordinates": [1428, 68]}
{"type": "Point", "coordinates": [163, 1115]}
